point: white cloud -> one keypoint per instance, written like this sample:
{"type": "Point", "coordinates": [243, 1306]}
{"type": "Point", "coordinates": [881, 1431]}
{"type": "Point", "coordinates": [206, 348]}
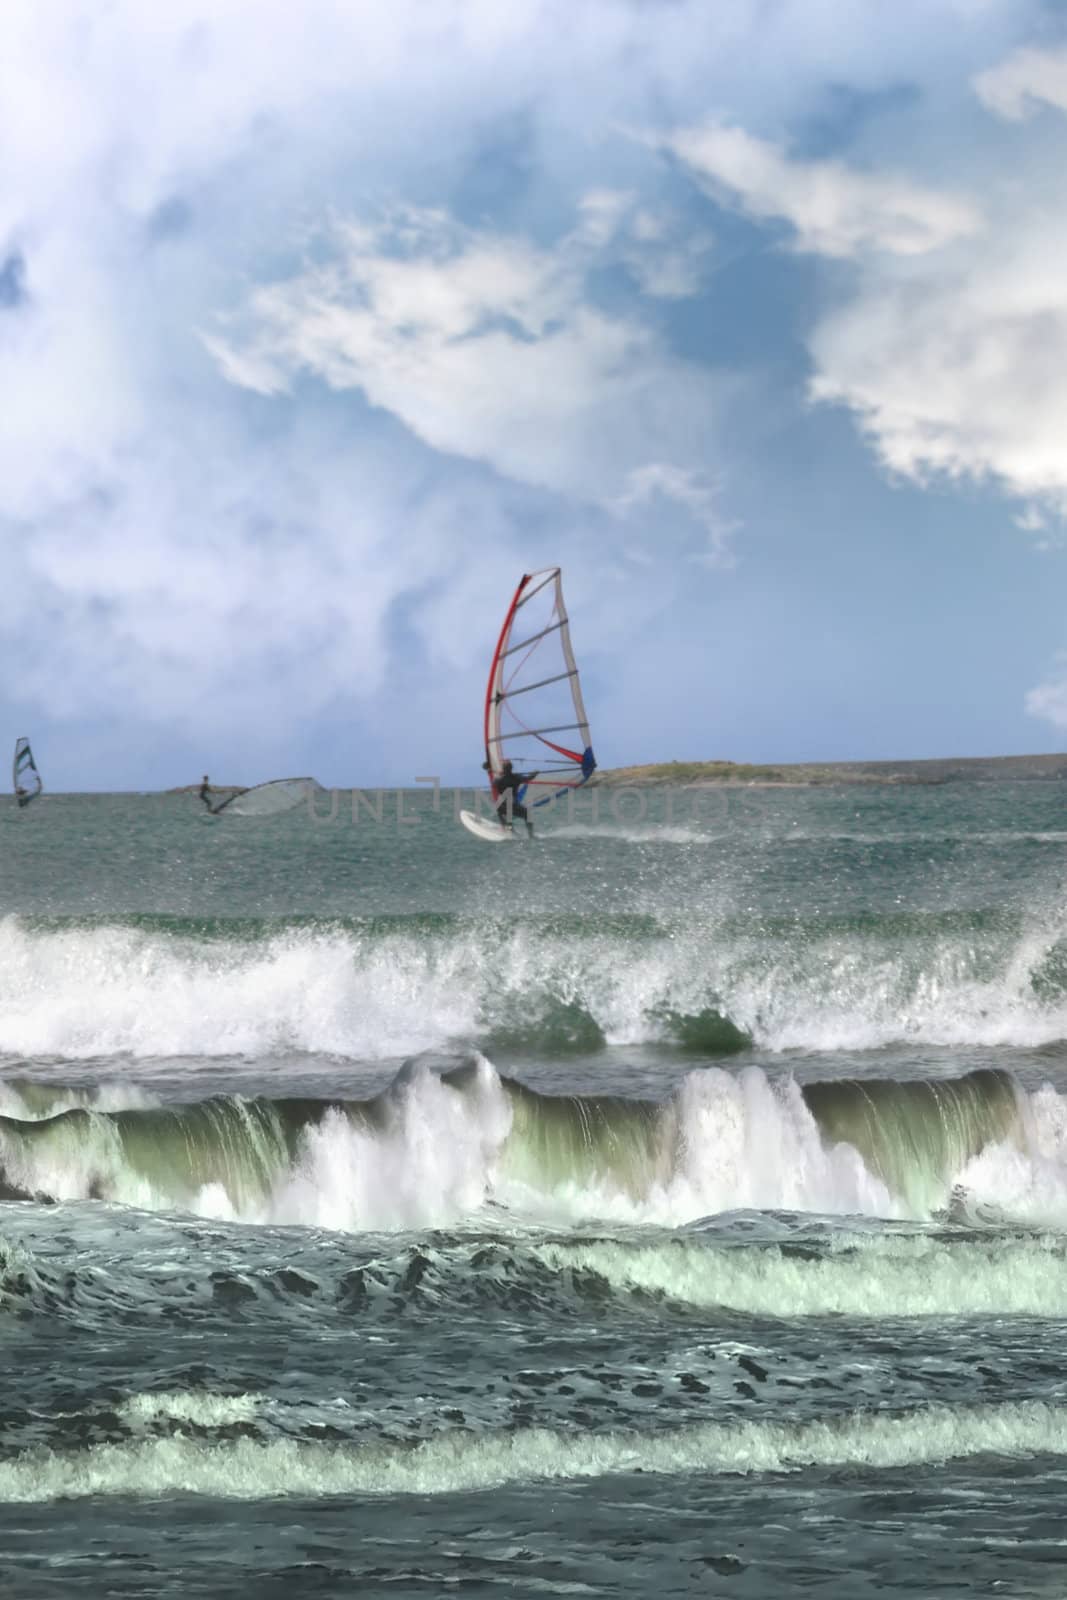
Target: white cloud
{"type": "Point", "coordinates": [669, 257]}
{"type": "Point", "coordinates": [662, 250]}
{"type": "Point", "coordinates": [951, 347]}
{"type": "Point", "coordinates": [1024, 82]}
{"type": "Point", "coordinates": [700, 496]}
{"type": "Point", "coordinates": [245, 368]}
{"type": "Point", "coordinates": [955, 363]}
{"type": "Point", "coordinates": [486, 347]}
{"type": "Point", "coordinates": [1049, 699]}
{"type": "Point", "coordinates": [184, 600]}
{"type": "Point", "coordinates": [961, 369]}
{"type": "Point", "coordinates": [834, 210]}
{"type": "Point", "coordinates": [1031, 520]}
{"type": "Point", "coordinates": [602, 214]}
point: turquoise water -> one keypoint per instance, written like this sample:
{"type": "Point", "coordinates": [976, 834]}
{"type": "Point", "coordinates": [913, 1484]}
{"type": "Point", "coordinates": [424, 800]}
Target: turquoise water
{"type": "Point", "coordinates": [676, 1203]}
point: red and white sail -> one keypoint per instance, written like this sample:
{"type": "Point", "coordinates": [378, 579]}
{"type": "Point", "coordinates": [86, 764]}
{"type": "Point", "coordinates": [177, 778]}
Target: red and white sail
{"type": "Point", "coordinates": [534, 714]}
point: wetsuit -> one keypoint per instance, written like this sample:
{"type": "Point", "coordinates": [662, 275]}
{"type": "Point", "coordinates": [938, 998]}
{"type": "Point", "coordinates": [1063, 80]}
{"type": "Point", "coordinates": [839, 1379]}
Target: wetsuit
{"type": "Point", "coordinates": [507, 786]}
{"type": "Point", "coordinates": [205, 793]}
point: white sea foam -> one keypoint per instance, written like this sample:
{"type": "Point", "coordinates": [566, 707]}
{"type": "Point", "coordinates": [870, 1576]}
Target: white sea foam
{"type": "Point", "coordinates": [1026, 1180]}
{"type": "Point", "coordinates": [876, 1276]}
{"type": "Point", "coordinates": [432, 1163]}
{"type": "Point", "coordinates": [89, 992]}
{"type": "Point", "coordinates": [79, 993]}
{"type": "Point", "coordinates": [461, 1461]}
{"type": "Point", "coordinates": [847, 994]}
{"type": "Point", "coordinates": [192, 1405]}
{"type": "Point", "coordinates": [636, 833]}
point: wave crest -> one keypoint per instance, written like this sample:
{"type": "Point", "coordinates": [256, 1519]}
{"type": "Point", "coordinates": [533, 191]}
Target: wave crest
{"type": "Point", "coordinates": [436, 1147]}
{"type": "Point", "coordinates": [388, 988]}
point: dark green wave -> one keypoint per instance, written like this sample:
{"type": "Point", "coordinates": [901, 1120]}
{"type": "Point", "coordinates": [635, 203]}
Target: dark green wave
{"type": "Point", "coordinates": [914, 1136]}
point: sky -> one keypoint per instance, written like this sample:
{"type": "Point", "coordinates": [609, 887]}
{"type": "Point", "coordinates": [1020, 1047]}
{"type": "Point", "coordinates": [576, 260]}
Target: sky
{"type": "Point", "coordinates": [321, 324]}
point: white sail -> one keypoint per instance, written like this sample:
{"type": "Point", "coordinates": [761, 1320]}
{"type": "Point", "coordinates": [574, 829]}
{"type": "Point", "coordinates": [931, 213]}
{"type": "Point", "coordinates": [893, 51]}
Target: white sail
{"type": "Point", "coordinates": [534, 713]}
{"type": "Point", "coordinates": [269, 799]}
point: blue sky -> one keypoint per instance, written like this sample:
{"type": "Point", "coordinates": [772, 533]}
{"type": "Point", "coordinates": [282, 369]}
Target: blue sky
{"type": "Point", "coordinates": [319, 325]}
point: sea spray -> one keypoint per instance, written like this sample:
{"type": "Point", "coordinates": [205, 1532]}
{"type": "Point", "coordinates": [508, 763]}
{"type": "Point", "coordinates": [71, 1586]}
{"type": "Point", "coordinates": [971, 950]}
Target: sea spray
{"type": "Point", "coordinates": [381, 988]}
{"type": "Point", "coordinates": [427, 1157]}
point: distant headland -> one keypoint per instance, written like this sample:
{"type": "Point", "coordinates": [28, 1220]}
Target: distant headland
{"type": "Point", "coordinates": [803, 774]}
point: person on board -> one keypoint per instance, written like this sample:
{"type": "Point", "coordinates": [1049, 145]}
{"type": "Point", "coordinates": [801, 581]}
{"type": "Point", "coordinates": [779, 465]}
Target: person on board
{"type": "Point", "coordinates": [507, 786]}
{"type": "Point", "coordinates": [205, 792]}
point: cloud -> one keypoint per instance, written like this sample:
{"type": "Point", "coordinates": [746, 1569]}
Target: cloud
{"type": "Point", "coordinates": [318, 323]}
{"type": "Point", "coordinates": [662, 250]}
{"type": "Point", "coordinates": [833, 209]}
{"type": "Point", "coordinates": [956, 364]}
{"type": "Point", "coordinates": [667, 256]}
{"type": "Point", "coordinates": [486, 347]}
{"type": "Point", "coordinates": [1049, 699]}
{"type": "Point", "coordinates": [244, 368]}
{"type": "Point", "coordinates": [193, 535]}
{"type": "Point", "coordinates": [12, 289]}
{"type": "Point", "coordinates": [949, 344]}
{"type": "Point", "coordinates": [962, 371]}
{"type": "Point", "coordinates": [160, 585]}
{"type": "Point", "coordinates": [1024, 82]}
{"type": "Point", "coordinates": [700, 496]}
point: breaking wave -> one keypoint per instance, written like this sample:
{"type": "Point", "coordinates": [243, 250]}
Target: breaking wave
{"type": "Point", "coordinates": [451, 1462]}
{"type": "Point", "coordinates": [388, 987]}
{"type": "Point", "coordinates": [436, 1147]}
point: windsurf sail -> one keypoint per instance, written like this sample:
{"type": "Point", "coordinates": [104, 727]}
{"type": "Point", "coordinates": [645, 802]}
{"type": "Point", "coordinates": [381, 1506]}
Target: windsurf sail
{"type": "Point", "coordinates": [25, 779]}
{"type": "Point", "coordinates": [269, 799]}
{"type": "Point", "coordinates": [534, 714]}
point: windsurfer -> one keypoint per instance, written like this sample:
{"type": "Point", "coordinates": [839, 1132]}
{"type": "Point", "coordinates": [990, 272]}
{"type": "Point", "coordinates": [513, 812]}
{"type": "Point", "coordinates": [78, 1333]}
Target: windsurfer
{"type": "Point", "coordinates": [25, 779]}
{"type": "Point", "coordinates": [205, 792]}
{"type": "Point", "coordinates": [506, 787]}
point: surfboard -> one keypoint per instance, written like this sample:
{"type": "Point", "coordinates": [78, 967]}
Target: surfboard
{"type": "Point", "coordinates": [485, 828]}
{"type": "Point", "coordinates": [535, 718]}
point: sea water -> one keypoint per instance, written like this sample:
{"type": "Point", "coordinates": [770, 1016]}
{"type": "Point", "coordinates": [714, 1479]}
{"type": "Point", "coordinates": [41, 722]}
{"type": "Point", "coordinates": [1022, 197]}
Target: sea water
{"type": "Point", "coordinates": [674, 1205]}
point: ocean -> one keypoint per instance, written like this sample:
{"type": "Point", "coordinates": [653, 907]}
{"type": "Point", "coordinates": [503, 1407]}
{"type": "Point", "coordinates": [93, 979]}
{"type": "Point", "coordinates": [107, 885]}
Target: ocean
{"type": "Point", "coordinates": [673, 1205]}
